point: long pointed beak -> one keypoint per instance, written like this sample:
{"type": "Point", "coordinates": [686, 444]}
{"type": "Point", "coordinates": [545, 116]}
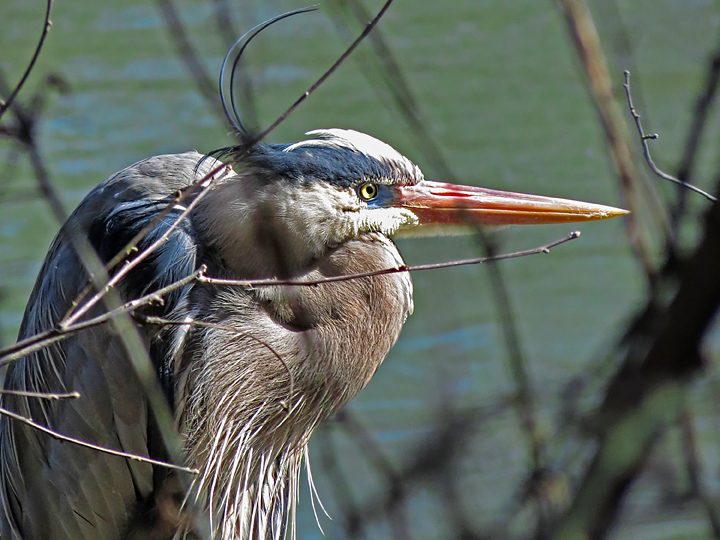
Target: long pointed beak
{"type": "Point", "coordinates": [440, 204]}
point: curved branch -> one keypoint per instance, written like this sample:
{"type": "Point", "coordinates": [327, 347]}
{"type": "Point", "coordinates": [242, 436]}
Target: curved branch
{"type": "Point", "coordinates": [644, 138]}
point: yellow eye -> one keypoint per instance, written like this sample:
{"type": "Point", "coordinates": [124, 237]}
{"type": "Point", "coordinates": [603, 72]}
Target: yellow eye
{"type": "Point", "coordinates": [368, 191]}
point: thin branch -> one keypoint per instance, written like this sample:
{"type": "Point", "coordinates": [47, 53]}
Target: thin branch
{"type": "Point", "coordinates": [91, 446]}
{"type": "Point", "coordinates": [525, 402]}
{"type": "Point", "coordinates": [583, 31]}
{"type": "Point", "coordinates": [703, 104]}
{"type": "Point", "coordinates": [44, 339]}
{"type": "Point", "coordinates": [40, 395]}
{"type": "Point", "coordinates": [131, 246]}
{"type": "Point", "coordinates": [694, 470]}
{"type": "Point", "coordinates": [646, 149]}
{"type": "Point", "coordinates": [206, 184]}
{"type": "Point", "coordinates": [394, 270]}
{"type": "Point", "coordinates": [340, 484]}
{"type": "Point", "coordinates": [662, 353]}
{"type": "Point", "coordinates": [127, 332]}
{"type": "Point", "coordinates": [324, 76]}
{"type": "Point", "coordinates": [186, 51]}
{"type": "Point", "coordinates": [392, 80]}
{"type": "Point", "coordinates": [60, 333]}
{"type": "Point", "coordinates": [397, 488]}
{"type": "Point", "coordinates": [5, 105]}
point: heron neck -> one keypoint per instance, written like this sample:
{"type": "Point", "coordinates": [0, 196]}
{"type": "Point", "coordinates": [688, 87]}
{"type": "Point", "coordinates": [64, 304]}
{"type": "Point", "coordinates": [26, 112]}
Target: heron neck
{"type": "Point", "coordinates": [252, 228]}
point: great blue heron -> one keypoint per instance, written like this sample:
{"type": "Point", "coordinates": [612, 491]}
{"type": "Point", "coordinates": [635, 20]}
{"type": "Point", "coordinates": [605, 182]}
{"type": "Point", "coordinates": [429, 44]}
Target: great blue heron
{"type": "Point", "coordinates": [248, 389]}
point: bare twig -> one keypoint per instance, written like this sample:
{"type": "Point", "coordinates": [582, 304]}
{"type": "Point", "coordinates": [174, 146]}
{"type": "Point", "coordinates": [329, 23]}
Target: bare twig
{"type": "Point", "coordinates": [525, 402]}
{"type": "Point", "coordinates": [47, 23]}
{"type": "Point", "coordinates": [703, 105]}
{"type": "Point", "coordinates": [131, 246]}
{"type": "Point", "coordinates": [60, 333]}
{"type": "Point", "coordinates": [662, 353]}
{"type": "Point", "coordinates": [44, 339]}
{"type": "Point", "coordinates": [694, 470]}
{"type": "Point", "coordinates": [96, 447]}
{"type": "Point", "coordinates": [126, 330]}
{"type": "Point", "coordinates": [340, 484]}
{"type": "Point", "coordinates": [391, 79]}
{"type": "Point", "coordinates": [41, 395]}
{"type": "Point", "coordinates": [206, 184]}
{"type": "Point", "coordinates": [397, 488]}
{"type": "Point", "coordinates": [402, 268]}
{"type": "Point", "coordinates": [646, 150]}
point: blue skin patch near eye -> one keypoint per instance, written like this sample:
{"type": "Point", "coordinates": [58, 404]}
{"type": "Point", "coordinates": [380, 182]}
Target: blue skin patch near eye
{"type": "Point", "coordinates": [383, 198]}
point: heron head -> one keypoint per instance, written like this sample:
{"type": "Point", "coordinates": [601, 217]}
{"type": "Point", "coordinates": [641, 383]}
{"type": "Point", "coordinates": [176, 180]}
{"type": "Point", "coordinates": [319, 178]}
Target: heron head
{"type": "Point", "coordinates": [308, 197]}
{"type": "Point", "coordinates": [345, 183]}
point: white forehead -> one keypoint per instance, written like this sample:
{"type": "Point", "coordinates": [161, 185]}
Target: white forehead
{"type": "Point", "coordinates": [361, 143]}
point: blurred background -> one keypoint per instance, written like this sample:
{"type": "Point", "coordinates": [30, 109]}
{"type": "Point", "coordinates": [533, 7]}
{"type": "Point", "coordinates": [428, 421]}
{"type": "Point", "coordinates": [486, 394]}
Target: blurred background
{"type": "Point", "coordinates": [455, 437]}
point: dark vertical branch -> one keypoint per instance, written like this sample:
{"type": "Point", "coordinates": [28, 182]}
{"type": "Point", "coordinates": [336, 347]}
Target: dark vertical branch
{"type": "Point", "coordinates": [525, 403]}
{"type": "Point", "coordinates": [397, 491]}
{"type": "Point", "coordinates": [6, 104]}
{"type": "Point", "coordinates": [342, 491]}
{"type": "Point", "coordinates": [341, 59]}
{"type": "Point", "coordinates": [703, 106]}
{"type": "Point", "coordinates": [587, 45]}
{"type": "Point", "coordinates": [695, 471]}
{"type": "Point", "coordinates": [24, 132]}
{"type": "Point", "coordinates": [644, 138]}
{"type": "Point", "coordinates": [204, 83]}
{"type": "Point", "coordinates": [663, 353]}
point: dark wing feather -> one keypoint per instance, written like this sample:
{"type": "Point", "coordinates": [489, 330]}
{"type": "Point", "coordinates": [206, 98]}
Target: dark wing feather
{"type": "Point", "coordinates": [52, 489]}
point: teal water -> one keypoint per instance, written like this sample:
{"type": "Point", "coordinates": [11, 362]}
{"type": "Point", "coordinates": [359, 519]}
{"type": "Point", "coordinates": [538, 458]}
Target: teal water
{"type": "Point", "coordinates": [500, 91]}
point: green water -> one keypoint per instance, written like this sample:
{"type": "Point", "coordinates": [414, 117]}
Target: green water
{"type": "Point", "coordinates": [501, 93]}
